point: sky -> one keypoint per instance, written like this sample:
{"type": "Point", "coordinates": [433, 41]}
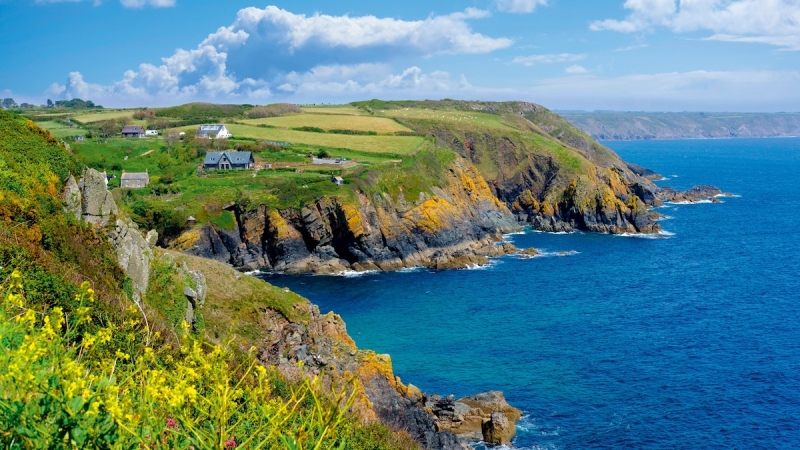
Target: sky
{"type": "Point", "coordinates": [624, 55]}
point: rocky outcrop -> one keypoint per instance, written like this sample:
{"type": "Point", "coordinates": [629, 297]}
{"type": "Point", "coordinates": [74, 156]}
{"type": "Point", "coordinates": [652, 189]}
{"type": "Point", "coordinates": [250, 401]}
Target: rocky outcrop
{"type": "Point", "coordinates": [97, 204]}
{"type": "Point", "coordinates": [486, 416]}
{"type": "Point", "coordinates": [693, 195]}
{"type": "Point", "coordinates": [134, 253]}
{"type": "Point", "coordinates": [454, 226]}
{"type": "Point", "coordinates": [90, 201]}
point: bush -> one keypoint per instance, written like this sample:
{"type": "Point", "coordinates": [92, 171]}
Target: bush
{"type": "Point", "coordinates": [278, 109]}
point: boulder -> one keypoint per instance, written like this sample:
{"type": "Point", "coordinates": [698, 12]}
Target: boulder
{"type": "Point", "coordinates": [492, 401]}
{"type": "Point", "coordinates": [134, 254]}
{"type": "Point", "coordinates": [97, 203]}
{"type": "Point", "coordinates": [498, 430]}
{"type": "Point", "coordinates": [72, 197]}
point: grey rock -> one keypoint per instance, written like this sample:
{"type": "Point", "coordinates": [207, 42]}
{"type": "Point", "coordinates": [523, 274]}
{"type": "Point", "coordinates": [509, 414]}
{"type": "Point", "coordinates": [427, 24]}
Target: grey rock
{"type": "Point", "coordinates": [498, 430]}
{"type": "Point", "coordinates": [97, 202]}
{"type": "Point", "coordinates": [73, 198]}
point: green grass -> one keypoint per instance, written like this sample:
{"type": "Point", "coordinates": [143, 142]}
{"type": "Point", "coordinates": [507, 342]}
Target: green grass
{"type": "Point", "coordinates": [60, 130]}
{"type": "Point", "coordinates": [458, 117]}
{"type": "Point", "coordinates": [336, 109]}
{"type": "Point", "coordinates": [380, 125]}
{"type": "Point", "coordinates": [104, 115]}
{"type": "Point", "coordinates": [399, 145]}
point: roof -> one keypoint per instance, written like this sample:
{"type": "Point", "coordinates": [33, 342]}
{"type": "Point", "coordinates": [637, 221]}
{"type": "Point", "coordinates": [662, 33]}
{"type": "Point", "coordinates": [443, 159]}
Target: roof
{"type": "Point", "coordinates": [338, 178]}
{"type": "Point", "coordinates": [210, 128]}
{"type": "Point", "coordinates": [234, 157]}
{"type": "Point", "coordinates": [132, 129]}
{"type": "Point", "coordinates": [191, 218]}
{"type": "Point", "coordinates": [135, 176]}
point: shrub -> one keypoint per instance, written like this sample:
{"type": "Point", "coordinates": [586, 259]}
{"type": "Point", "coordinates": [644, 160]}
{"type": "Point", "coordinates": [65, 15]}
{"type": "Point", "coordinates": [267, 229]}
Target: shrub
{"type": "Point", "coordinates": [278, 109]}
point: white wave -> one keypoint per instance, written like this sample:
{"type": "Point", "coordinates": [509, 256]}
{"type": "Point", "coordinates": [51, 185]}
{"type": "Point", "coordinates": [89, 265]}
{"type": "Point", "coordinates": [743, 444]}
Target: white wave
{"type": "Point", "coordinates": [411, 269]}
{"type": "Point", "coordinates": [490, 264]}
{"type": "Point", "coordinates": [691, 203]}
{"type": "Point", "coordinates": [664, 218]}
{"type": "Point", "coordinates": [660, 235]}
{"type": "Point", "coordinates": [728, 196]}
{"type": "Point", "coordinates": [255, 273]}
{"type": "Point", "coordinates": [354, 273]}
{"type": "Point", "coordinates": [674, 176]}
{"type": "Point", "coordinates": [514, 233]}
{"type": "Point", "coordinates": [664, 179]}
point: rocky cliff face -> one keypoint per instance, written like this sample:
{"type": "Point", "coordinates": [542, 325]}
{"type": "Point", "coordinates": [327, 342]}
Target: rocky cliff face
{"type": "Point", "coordinates": [454, 226]}
{"type": "Point", "coordinates": [549, 173]}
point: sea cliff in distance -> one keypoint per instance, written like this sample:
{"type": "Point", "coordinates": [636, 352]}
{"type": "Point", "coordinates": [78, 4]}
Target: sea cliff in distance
{"type": "Point", "coordinates": [634, 126]}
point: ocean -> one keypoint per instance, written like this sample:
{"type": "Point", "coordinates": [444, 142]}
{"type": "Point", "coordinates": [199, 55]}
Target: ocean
{"type": "Point", "coordinates": [686, 340]}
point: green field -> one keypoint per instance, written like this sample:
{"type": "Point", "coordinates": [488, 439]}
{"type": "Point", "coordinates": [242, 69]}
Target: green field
{"type": "Point", "coordinates": [394, 145]}
{"type": "Point", "coordinates": [460, 117]}
{"type": "Point", "coordinates": [346, 110]}
{"type": "Point", "coordinates": [104, 115]}
{"type": "Point", "coordinates": [380, 125]}
{"type": "Point", "coordinates": [60, 130]}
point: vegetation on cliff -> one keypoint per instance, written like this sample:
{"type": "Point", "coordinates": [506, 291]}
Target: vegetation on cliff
{"type": "Point", "coordinates": [82, 365]}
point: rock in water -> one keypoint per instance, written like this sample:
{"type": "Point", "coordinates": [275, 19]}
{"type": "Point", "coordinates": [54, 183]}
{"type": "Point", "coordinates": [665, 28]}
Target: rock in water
{"type": "Point", "coordinates": [693, 195]}
{"type": "Point", "coordinates": [490, 402]}
{"type": "Point", "coordinates": [498, 430]}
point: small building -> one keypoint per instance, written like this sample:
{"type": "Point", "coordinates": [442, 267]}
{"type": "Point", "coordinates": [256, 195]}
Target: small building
{"type": "Point", "coordinates": [228, 160]}
{"type": "Point", "coordinates": [191, 221]}
{"type": "Point", "coordinates": [134, 180]}
{"type": "Point", "coordinates": [151, 133]}
{"type": "Point", "coordinates": [217, 131]}
{"type": "Point", "coordinates": [133, 131]}
{"type": "Point", "coordinates": [80, 138]}
{"type": "Point", "coordinates": [339, 181]}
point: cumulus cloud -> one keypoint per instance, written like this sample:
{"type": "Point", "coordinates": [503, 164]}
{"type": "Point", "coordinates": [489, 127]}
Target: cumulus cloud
{"type": "Point", "coordinates": [774, 22]}
{"type": "Point", "coordinates": [270, 51]}
{"type": "Point", "coordinates": [547, 59]}
{"type": "Point", "coordinates": [576, 69]}
{"type": "Point", "coordinates": [519, 6]}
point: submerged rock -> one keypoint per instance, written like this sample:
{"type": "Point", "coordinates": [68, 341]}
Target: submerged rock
{"type": "Point", "coordinates": [694, 195]}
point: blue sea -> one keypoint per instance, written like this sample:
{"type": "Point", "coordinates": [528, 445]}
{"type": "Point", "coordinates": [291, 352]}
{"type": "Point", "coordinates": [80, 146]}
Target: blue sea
{"type": "Point", "coordinates": [690, 340]}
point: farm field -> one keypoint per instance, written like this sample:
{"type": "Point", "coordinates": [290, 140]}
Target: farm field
{"type": "Point", "coordinates": [104, 115]}
{"type": "Point", "coordinates": [380, 125]}
{"type": "Point", "coordinates": [60, 130]}
{"type": "Point", "coordinates": [460, 117]}
{"type": "Point", "coordinates": [393, 145]}
{"type": "Point", "coordinates": [338, 109]}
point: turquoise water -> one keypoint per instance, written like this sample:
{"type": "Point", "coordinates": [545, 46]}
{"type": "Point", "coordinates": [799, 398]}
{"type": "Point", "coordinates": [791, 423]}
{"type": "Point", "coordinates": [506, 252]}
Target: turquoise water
{"type": "Point", "coordinates": [691, 340]}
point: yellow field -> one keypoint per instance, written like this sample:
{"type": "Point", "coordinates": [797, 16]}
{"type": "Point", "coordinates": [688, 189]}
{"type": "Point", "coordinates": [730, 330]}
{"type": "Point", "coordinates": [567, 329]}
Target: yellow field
{"type": "Point", "coordinates": [402, 145]}
{"type": "Point", "coordinates": [380, 125]}
{"type": "Point", "coordinates": [465, 117]}
{"type": "Point", "coordinates": [342, 110]}
{"type": "Point", "coordinates": [105, 115]}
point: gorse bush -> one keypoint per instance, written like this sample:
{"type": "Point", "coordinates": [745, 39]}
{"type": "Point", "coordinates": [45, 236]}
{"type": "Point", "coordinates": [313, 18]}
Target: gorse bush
{"type": "Point", "coordinates": [64, 387]}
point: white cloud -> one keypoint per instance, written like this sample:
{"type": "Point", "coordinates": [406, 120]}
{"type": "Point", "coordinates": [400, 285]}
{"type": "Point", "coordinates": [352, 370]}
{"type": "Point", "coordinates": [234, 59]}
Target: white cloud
{"type": "Point", "coordinates": [55, 89]}
{"type": "Point", "coordinates": [269, 51]}
{"type": "Point", "coordinates": [547, 59]}
{"type": "Point", "coordinates": [773, 22]}
{"type": "Point", "coordinates": [519, 6]}
{"type": "Point", "coordinates": [576, 69]}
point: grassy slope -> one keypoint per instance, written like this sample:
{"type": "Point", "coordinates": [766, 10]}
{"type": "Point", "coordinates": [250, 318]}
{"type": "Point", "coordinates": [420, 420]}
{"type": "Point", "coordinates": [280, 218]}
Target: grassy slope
{"type": "Point", "coordinates": [333, 122]}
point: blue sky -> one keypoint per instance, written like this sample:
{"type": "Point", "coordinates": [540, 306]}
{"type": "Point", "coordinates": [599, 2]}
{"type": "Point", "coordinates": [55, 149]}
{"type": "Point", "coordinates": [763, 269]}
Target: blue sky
{"type": "Point", "coordinates": [651, 55]}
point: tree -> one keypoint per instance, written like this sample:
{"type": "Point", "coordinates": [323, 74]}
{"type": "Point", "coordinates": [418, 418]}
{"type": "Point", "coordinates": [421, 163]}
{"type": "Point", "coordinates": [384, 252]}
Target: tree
{"type": "Point", "coordinates": [9, 103]}
{"type": "Point", "coordinates": [49, 103]}
{"type": "Point", "coordinates": [323, 153]}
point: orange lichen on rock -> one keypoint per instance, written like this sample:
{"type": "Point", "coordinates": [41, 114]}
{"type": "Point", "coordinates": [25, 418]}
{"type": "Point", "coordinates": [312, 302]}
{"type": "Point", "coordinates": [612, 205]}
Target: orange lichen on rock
{"type": "Point", "coordinates": [432, 215]}
{"type": "Point", "coordinates": [278, 225]}
{"type": "Point", "coordinates": [354, 221]}
{"type": "Point", "coordinates": [186, 241]}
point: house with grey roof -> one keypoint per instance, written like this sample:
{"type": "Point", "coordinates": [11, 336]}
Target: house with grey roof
{"type": "Point", "coordinates": [133, 131]}
{"type": "Point", "coordinates": [134, 180]}
{"type": "Point", "coordinates": [228, 160]}
{"type": "Point", "coordinates": [217, 131]}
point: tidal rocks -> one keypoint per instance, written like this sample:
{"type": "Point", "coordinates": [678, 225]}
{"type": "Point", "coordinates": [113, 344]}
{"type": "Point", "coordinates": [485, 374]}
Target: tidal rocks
{"type": "Point", "coordinates": [498, 430]}
{"type": "Point", "coordinates": [485, 416]}
{"type": "Point", "coordinates": [693, 195]}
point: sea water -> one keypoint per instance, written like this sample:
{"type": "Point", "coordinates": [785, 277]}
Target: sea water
{"type": "Point", "coordinates": [690, 339]}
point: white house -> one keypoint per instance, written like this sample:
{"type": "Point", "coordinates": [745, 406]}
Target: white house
{"type": "Point", "coordinates": [217, 131]}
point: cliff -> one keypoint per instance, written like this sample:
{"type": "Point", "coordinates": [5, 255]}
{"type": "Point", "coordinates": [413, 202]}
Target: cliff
{"type": "Point", "coordinates": [455, 224]}
{"type": "Point", "coordinates": [631, 126]}
{"type": "Point", "coordinates": [550, 174]}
